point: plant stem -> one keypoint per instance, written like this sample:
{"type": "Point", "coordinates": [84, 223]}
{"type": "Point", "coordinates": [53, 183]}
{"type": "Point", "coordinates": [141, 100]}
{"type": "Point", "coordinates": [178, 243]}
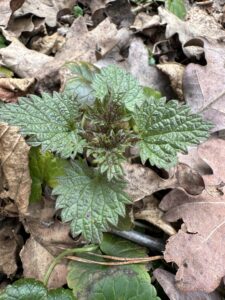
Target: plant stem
{"type": "Point", "coordinates": [65, 253]}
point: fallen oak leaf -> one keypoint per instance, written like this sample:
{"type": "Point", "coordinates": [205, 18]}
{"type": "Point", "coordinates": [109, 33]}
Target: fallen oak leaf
{"type": "Point", "coordinates": [36, 260]}
{"type": "Point", "coordinates": [23, 61]}
{"type": "Point", "coordinates": [197, 248]}
{"type": "Point", "coordinates": [167, 281]}
{"type": "Point", "coordinates": [204, 86]}
{"type": "Point", "coordinates": [15, 176]}
{"type": "Point", "coordinates": [12, 88]}
{"type": "Point", "coordinates": [143, 181]}
{"type": "Point", "coordinates": [7, 9]}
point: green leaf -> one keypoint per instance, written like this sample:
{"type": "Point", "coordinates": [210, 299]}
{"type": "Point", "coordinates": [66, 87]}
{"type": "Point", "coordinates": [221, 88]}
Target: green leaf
{"type": "Point", "coordinates": [30, 289]}
{"type": "Point", "coordinates": [166, 129]}
{"type": "Point", "coordinates": [77, 11]}
{"type": "Point", "coordinates": [149, 92]}
{"type": "Point", "coordinates": [5, 72]}
{"type": "Point", "coordinates": [51, 121]}
{"type": "Point", "coordinates": [2, 41]}
{"type": "Point", "coordinates": [60, 294]}
{"type": "Point", "coordinates": [89, 201]}
{"type": "Point", "coordinates": [123, 86]}
{"type": "Point", "coordinates": [97, 282]}
{"type": "Point", "coordinates": [113, 245]}
{"type": "Point", "coordinates": [177, 7]}
{"type": "Point", "coordinates": [45, 168]}
{"type": "Point", "coordinates": [82, 75]}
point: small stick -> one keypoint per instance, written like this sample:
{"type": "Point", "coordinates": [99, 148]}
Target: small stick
{"type": "Point", "coordinates": [141, 7]}
{"type": "Point", "coordinates": [134, 261]}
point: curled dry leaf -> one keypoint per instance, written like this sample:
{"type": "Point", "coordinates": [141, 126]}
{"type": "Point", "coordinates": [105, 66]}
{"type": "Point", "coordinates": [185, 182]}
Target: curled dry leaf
{"type": "Point", "coordinates": [7, 9]}
{"type": "Point", "coordinates": [36, 260]}
{"type": "Point", "coordinates": [142, 181]}
{"type": "Point", "coordinates": [213, 153]}
{"type": "Point", "coordinates": [49, 44]}
{"type": "Point", "coordinates": [15, 176]}
{"type": "Point", "coordinates": [152, 214]}
{"type": "Point", "coordinates": [23, 61]}
{"type": "Point", "coordinates": [119, 12]}
{"type": "Point", "coordinates": [138, 66]}
{"type": "Point", "coordinates": [10, 241]}
{"type": "Point", "coordinates": [84, 45]}
{"type": "Point", "coordinates": [41, 223]}
{"type": "Point", "coordinates": [197, 248]}
{"type": "Point", "coordinates": [168, 283]}
{"type": "Point", "coordinates": [175, 72]}
{"type": "Point", "coordinates": [144, 21]}
{"type": "Point", "coordinates": [204, 86]}
{"type": "Point", "coordinates": [47, 9]}
{"type": "Point", "coordinates": [12, 88]}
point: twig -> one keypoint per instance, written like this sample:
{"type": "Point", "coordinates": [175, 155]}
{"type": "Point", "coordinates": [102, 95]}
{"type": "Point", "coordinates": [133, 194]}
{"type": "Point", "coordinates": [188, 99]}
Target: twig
{"type": "Point", "coordinates": [120, 258]}
{"type": "Point", "coordinates": [141, 239]}
{"type": "Point", "coordinates": [129, 262]}
{"type": "Point", "coordinates": [141, 7]}
{"type": "Point", "coordinates": [62, 255]}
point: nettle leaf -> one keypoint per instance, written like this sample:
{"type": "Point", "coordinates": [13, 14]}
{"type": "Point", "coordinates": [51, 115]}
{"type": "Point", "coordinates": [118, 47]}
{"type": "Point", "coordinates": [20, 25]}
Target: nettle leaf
{"type": "Point", "coordinates": [120, 84]}
{"type": "Point", "coordinates": [89, 201]}
{"type": "Point", "coordinates": [51, 121]}
{"type": "Point", "coordinates": [45, 168]}
{"type": "Point", "coordinates": [82, 75]}
{"type": "Point", "coordinates": [91, 282]}
{"type": "Point", "coordinates": [177, 7]}
{"type": "Point", "coordinates": [27, 289]}
{"type": "Point", "coordinates": [166, 129]}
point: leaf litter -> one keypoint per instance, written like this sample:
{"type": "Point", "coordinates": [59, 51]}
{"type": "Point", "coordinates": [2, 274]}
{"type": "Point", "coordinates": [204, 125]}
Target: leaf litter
{"type": "Point", "coordinates": [178, 57]}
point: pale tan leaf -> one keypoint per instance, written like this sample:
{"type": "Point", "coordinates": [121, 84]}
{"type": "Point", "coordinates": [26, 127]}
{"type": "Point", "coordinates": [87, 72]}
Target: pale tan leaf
{"type": "Point", "coordinates": [15, 176]}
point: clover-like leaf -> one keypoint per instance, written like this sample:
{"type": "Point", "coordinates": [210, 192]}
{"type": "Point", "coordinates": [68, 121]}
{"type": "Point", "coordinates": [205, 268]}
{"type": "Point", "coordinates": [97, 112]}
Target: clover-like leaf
{"type": "Point", "coordinates": [30, 289]}
{"type": "Point", "coordinates": [123, 86]}
{"type": "Point", "coordinates": [44, 169]}
{"type": "Point", "coordinates": [92, 282]}
{"type": "Point", "coordinates": [166, 129]}
{"type": "Point", "coordinates": [50, 121]}
{"type": "Point", "coordinates": [82, 75]}
{"type": "Point", "coordinates": [89, 201]}
{"type": "Point", "coordinates": [177, 7]}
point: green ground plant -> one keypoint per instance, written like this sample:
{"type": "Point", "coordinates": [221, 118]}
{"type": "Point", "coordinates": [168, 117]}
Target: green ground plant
{"type": "Point", "coordinates": [92, 124]}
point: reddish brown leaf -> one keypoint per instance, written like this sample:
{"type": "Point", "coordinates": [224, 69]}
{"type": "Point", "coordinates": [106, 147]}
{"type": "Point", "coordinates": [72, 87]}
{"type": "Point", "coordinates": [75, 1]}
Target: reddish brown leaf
{"type": "Point", "coordinates": [198, 248]}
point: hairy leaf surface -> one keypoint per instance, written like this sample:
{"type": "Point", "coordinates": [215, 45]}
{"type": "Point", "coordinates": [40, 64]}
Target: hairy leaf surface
{"type": "Point", "coordinates": [120, 84]}
{"type": "Point", "coordinates": [49, 120]}
{"type": "Point", "coordinates": [89, 201]}
{"type": "Point", "coordinates": [82, 75]}
{"type": "Point", "coordinates": [165, 129]}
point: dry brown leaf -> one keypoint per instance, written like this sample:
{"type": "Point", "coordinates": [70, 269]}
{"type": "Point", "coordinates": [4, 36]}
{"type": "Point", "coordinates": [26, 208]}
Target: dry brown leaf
{"type": "Point", "coordinates": [175, 72]}
{"type": "Point", "coordinates": [200, 24]}
{"type": "Point", "coordinates": [142, 181]}
{"type": "Point", "coordinates": [47, 9]}
{"type": "Point", "coordinates": [147, 75]}
{"type": "Point", "coordinates": [12, 88]}
{"type": "Point", "coordinates": [23, 61]}
{"type": "Point", "coordinates": [15, 176]}
{"type": "Point", "coordinates": [9, 244]}
{"type": "Point", "coordinates": [167, 281]}
{"type": "Point", "coordinates": [46, 229]}
{"type": "Point", "coordinates": [36, 260]}
{"type": "Point", "coordinates": [198, 247]}
{"type": "Point", "coordinates": [119, 12]}
{"type": "Point", "coordinates": [213, 153]}
{"type": "Point", "coordinates": [204, 86]}
{"type": "Point", "coordinates": [84, 45]}
{"type": "Point", "coordinates": [152, 214]}
{"type": "Point", "coordinates": [7, 8]}
{"type": "Point", "coordinates": [144, 21]}
{"type": "Point", "coordinates": [49, 44]}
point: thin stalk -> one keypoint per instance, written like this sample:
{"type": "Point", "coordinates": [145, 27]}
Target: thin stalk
{"type": "Point", "coordinates": [65, 253]}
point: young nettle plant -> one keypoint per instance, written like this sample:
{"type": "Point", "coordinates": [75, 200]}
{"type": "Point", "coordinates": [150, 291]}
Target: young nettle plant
{"type": "Point", "coordinates": [101, 114]}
